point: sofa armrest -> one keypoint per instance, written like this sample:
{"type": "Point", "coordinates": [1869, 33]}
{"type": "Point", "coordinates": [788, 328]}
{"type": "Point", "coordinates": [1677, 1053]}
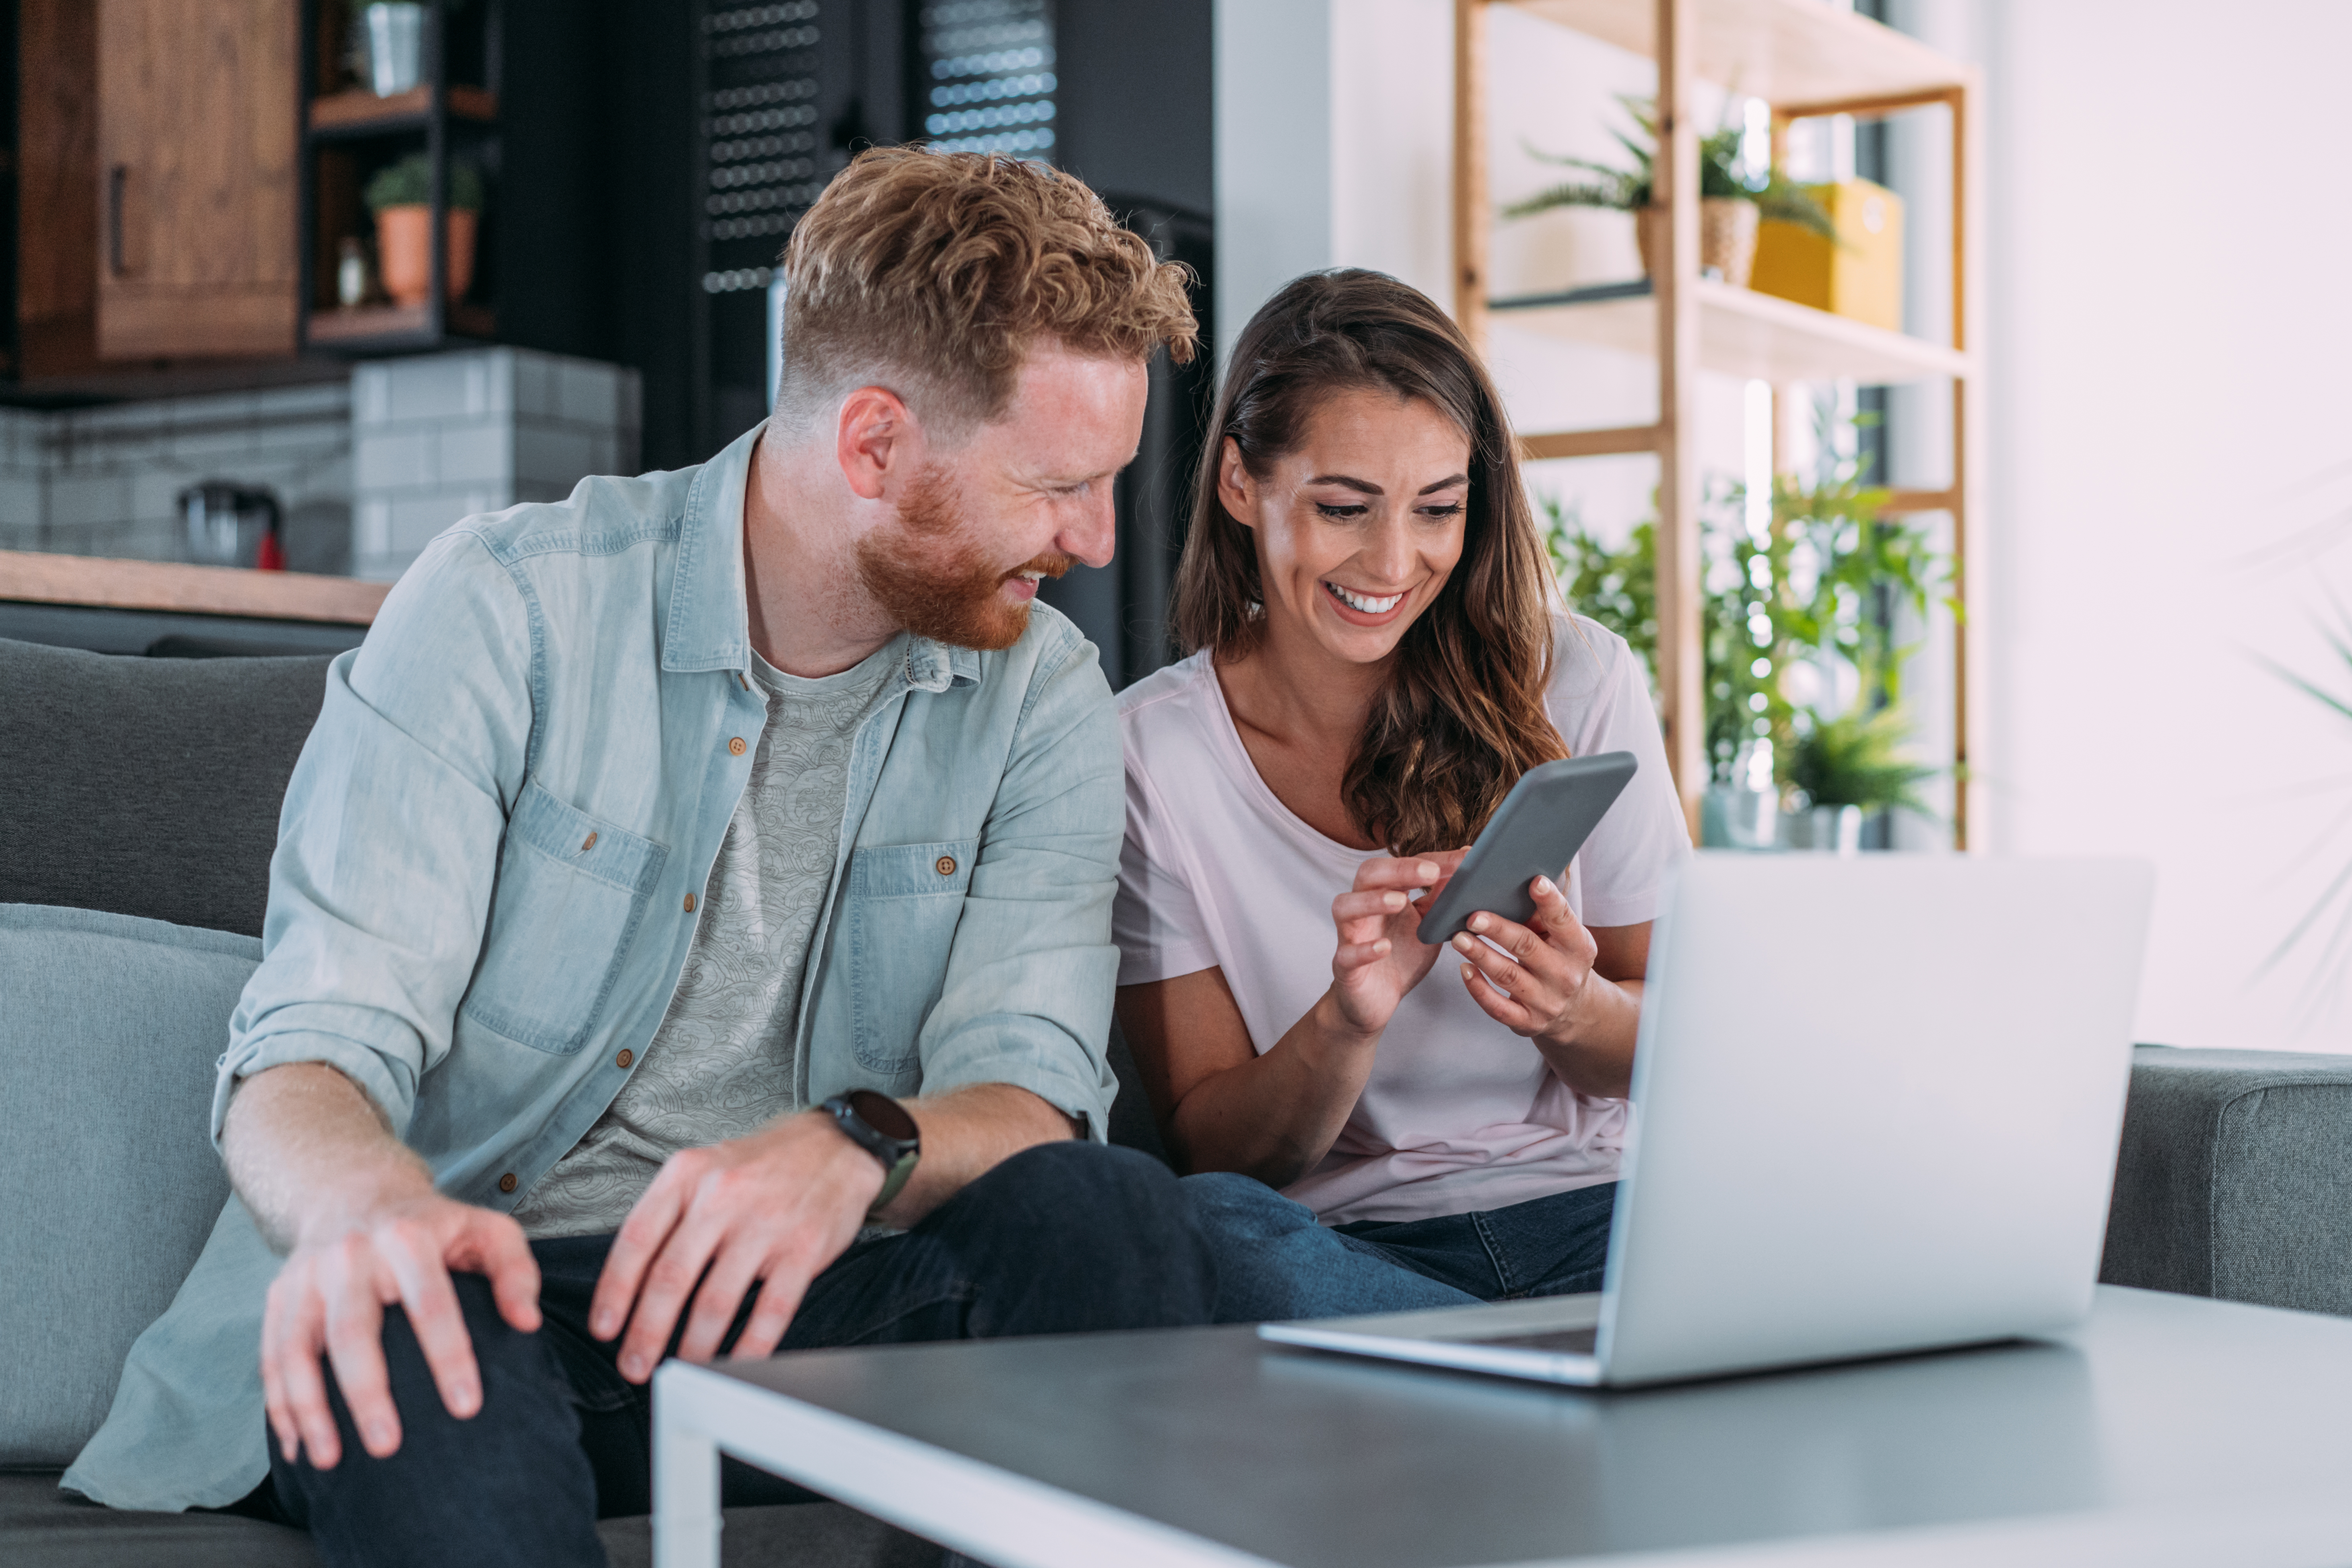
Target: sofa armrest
{"type": "Point", "coordinates": [2235, 1178]}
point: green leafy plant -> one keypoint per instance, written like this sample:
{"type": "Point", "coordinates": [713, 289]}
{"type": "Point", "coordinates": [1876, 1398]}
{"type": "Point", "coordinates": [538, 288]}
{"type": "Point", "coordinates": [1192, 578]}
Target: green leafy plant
{"type": "Point", "coordinates": [1617, 588]}
{"type": "Point", "coordinates": [409, 183]}
{"type": "Point", "coordinates": [1857, 759]}
{"type": "Point", "coordinates": [1823, 576]}
{"type": "Point", "coordinates": [1721, 174]}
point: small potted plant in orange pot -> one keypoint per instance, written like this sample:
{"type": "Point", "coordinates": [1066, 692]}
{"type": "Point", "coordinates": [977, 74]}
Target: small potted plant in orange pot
{"type": "Point", "coordinates": [401, 197]}
{"type": "Point", "coordinates": [1733, 197]}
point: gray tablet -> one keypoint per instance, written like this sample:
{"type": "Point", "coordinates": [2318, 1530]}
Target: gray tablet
{"type": "Point", "coordinates": [1536, 832]}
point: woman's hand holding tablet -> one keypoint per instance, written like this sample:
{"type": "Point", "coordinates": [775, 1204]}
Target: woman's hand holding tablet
{"type": "Point", "coordinates": [1380, 956]}
{"type": "Point", "coordinates": [1536, 832]}
{"type": "Point", "coordinates": [1528, 957]}
{"type": "Point", "coordinates": [1531, 978]}
{"type": "Point", "coordinates": [1527, 972]}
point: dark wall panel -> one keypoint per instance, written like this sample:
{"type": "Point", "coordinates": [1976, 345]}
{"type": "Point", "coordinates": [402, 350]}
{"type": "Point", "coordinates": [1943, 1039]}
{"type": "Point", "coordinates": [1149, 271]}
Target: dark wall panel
{"type": "Point", "coordinates": [651, 211]}
{"type": "Point", "coordinates": [551, 256]}
{"type": "Point", "coordinates": [1135, 97]}
{"type": "Point", "coordinates": [1134, 120]}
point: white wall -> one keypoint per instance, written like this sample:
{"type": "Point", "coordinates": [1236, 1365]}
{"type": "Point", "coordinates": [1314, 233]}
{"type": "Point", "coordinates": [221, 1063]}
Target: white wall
{"type": "Point", "coordinates": [2172, 383]}
{"type": "Point", "coordinates": [1273, 150]}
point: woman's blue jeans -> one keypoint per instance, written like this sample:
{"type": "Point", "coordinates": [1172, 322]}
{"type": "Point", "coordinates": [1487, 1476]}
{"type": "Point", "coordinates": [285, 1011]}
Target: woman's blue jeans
{"type": "Point", "coordinates": [1275, 1261]}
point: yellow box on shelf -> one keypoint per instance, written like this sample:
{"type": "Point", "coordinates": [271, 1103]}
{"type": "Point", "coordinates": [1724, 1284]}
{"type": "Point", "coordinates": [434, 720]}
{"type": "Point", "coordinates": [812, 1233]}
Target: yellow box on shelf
{"type": "Point", "coordinates": [1858, 276]}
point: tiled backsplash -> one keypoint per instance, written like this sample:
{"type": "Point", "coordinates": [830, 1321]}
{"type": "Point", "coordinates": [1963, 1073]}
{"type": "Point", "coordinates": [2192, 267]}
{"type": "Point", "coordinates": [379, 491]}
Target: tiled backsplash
{"type": "Point", "coordinates": [446, 436]}
{"type": "Point", "coordinates": [367, 470]}
{"type": "Point", "coordinates": [106, 481]}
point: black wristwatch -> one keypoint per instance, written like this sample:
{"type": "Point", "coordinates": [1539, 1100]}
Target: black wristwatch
{"type": "Point", "coordinates": [879, 1125]}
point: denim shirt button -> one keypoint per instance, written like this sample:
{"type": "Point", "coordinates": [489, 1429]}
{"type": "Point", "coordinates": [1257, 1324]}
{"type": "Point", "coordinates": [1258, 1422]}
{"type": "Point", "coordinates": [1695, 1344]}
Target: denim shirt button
{"type": "Point", "coordinates": [507, 1183]}
{"type": "Point", "coordinates": [735, 747]}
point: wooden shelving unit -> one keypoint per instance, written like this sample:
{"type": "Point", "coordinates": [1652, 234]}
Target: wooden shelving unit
{"type": "Point", "coordinates": [1806, 60]}
{"type": "Point", "coordinates": [359, 112]}
{"type": "Point", "coordinates": [348, 132]}
{"type": "Point", "coordinates": [1741, 333]}
{"type": "Point", "coordinates": [368, 326]}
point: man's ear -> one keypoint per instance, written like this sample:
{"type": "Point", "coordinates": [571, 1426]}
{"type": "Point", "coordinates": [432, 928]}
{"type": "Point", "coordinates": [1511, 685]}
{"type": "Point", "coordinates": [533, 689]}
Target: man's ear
{"type": "Point", "coordinates": [876, 439]}
{"type": "Point", "coordinates": [1236, 488]}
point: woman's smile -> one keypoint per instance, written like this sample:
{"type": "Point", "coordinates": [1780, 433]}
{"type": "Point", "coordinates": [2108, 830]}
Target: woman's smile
{"type": "Point", "coordinates": [1363, 609]}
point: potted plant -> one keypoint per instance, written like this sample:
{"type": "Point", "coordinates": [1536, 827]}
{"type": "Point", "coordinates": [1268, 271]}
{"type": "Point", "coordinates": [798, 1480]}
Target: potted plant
{"type": "Point", "coordinates": [1853, 765]}
{"type": "Point", "coordinates": [401, 197]}
{"type": "Point", "coordinates": [1733, 198]}
{"type": "Point", "coordinates": [1819, 584]}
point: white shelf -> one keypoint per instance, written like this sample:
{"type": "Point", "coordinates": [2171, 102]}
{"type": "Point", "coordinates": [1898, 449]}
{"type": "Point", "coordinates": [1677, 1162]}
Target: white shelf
{"type": "Point", "coordinates": [1741, 333]}
{"type": "Point", "coordinates": [1783, 51]}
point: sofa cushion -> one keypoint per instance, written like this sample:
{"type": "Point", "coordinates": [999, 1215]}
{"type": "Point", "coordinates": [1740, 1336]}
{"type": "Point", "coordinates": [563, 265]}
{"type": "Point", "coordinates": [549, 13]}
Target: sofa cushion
{"type": "Point", "coordinates": [2235, 1178]}
{"type": "Point", "coordinates": [148, 786]}
{"type": "Point", "coordinates": [111, 1026]}
{"type": "Point", "coordinates": [39, 1528]}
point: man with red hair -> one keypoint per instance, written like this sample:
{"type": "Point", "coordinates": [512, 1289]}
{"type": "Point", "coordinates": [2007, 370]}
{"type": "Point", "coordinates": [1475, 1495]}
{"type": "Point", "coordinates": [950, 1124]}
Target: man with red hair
{"type": "Point", "coordinates": [689, 930]}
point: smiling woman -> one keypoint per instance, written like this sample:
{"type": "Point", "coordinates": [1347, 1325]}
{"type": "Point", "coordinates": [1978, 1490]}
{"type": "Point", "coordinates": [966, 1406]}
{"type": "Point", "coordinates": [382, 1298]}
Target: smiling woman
{"type": "Point", "coordinates": [1375, 663]}
{"type": "Point", "coordinates": [1360, 370]}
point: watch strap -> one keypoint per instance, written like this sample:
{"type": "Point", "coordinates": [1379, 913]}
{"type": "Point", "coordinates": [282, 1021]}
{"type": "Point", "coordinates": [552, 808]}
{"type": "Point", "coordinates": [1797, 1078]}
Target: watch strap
{"type": "Point", "coordinates": [892, 1182]}
{"type": "Point", "coordinates": [897, 1156]}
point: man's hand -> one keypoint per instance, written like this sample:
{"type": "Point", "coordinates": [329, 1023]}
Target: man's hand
{"type": "Point", "coordinates": [330, 1296]}
{"type": "Point", "coordinates": [773, 1209]}
{"type": "Point", "coordinates": [355, 1213]}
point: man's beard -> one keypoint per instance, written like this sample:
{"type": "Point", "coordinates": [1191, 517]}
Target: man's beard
{"type": "Point", "coordinates": [936, 580]}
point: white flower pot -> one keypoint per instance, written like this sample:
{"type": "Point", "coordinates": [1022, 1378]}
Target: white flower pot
{"type": "Point", "coordinates": [396, 37]}
{"type": "Point", "coordinates": [1834, 829]}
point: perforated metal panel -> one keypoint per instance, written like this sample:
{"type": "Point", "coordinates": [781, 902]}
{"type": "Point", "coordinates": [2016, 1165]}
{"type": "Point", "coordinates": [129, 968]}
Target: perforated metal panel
{"type": "Point", "coordinates": [772, 84]}
{"type": "Point", "coordinates": [987, 73]}
{"type": "Point", "coordinates": [760, 129]}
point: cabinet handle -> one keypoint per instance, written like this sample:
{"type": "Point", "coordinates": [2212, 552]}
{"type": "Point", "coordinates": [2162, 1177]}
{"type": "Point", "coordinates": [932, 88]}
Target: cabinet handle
{"type": "Point", "coordinates": [116, 178]}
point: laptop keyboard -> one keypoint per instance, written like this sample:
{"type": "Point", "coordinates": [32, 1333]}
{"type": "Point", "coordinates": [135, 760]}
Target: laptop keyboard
{"type": "Point", "coordinates": [1567, 1342]}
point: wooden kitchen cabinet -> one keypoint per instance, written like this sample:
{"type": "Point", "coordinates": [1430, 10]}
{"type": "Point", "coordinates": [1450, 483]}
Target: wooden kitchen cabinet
{"type": "Point", "coordinates": [198, 130]}
{"type": "Point", "coordinates": [57, 188]}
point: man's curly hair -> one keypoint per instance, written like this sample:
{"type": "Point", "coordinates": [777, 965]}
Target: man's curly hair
{"type": "Point", "coordinates": [933, 273]}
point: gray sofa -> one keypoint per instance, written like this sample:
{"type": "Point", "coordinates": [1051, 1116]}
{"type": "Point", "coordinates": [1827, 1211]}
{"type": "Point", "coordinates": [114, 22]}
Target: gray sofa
{"type": "Point", "coordinates": [148, 789]}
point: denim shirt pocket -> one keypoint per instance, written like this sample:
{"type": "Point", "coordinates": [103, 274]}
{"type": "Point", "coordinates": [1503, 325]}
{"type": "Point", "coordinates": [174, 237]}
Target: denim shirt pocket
{"type": "Point", "coordinates": [900, 921]}
{"type": "Point", "coordinates": [570, 891]}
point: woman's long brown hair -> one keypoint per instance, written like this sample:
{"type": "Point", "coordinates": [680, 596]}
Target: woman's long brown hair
{"type": "Point", "coordinates": [1462, 715]}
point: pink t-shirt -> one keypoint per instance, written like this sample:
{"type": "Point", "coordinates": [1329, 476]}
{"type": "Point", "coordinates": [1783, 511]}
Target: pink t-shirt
{"type": "Point", "coordinates": [1459, 1113]}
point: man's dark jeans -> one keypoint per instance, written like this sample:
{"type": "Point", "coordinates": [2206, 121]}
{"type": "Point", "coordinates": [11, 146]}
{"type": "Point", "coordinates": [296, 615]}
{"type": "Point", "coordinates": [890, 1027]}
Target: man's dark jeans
{"type": "Point", "coordinates": [1061, 1238]}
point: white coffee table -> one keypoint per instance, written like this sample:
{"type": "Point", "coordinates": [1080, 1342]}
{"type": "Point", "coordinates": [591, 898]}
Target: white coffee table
{"type": "Point", "coordinates": [2169, 1431]}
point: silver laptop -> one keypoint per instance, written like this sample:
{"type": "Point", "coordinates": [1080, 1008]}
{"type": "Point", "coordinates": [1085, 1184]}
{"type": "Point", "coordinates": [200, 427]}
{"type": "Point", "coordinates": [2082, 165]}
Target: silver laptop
{"type": "Point", "coordinates": [1877, 1106]}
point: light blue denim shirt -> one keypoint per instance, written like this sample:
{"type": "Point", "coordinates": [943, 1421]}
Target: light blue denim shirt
{"type": "Point", "coordinates": [492, 849]}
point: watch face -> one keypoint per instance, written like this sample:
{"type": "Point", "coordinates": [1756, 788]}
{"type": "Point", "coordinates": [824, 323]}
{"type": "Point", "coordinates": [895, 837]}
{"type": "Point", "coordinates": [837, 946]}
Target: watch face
{"type": "Point", "coordinates": [883, 1114]}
